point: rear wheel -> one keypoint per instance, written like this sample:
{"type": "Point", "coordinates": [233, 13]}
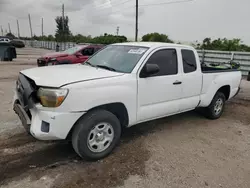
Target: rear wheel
{"type": "Point", "coordinates": [96, 134]}
{"type": "Point", "coordinates": [216, 108]}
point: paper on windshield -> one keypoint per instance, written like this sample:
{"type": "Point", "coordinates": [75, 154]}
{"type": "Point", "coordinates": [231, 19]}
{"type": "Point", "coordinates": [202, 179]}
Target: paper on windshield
{"type": "Point", "coordinates": [137, 51]}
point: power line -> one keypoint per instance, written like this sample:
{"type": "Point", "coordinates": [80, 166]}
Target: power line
{"type": "Point", "coordinates": [103, 5]}
{"type": "Point", "coordinates": [86, 4]}
{"type": "Point", "coordinates": [114, 11]}
{"type": "Point", "coordinates": [166, 3]}
{"type": "Point", "coordinates": [114, 5]}
{"type": "Point", "coordinates": [115, 25]}
{"type": "Point", "coordinates": [2, 30]}
{"type": "Point", "coordinates": [9, 28]}
{"type": "Point", "coordinates": [145, 5]}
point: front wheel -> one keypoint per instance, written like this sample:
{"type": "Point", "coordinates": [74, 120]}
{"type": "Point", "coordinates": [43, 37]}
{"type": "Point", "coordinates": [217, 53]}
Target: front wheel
{"type": "Point", "coordinates": [96, 134]}
{"type": "Point", "coordinates": [216, 108]}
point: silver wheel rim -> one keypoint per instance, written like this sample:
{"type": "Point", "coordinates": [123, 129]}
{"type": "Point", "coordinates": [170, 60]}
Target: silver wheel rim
{"type": "Point", "coordinates": [100, 137]}
{"type": "Point", "coordinates": [218, 106]}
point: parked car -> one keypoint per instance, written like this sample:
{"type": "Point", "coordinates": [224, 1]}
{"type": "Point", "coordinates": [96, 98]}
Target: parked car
{"type": "Point", "coordinates": [120, 86]}
{"type": "Point", "coordinates": [4, 40]}
{"type": "Point", "coordinates": [17, 43]}
{"type": "Point", "coordinates": [77, 54]}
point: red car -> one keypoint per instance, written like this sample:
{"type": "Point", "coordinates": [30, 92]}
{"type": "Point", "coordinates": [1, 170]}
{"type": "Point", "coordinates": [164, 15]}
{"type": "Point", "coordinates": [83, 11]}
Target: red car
{"type": "Point", "coordinates": [77, 54]}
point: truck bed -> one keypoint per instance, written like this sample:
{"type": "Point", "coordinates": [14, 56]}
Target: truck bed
{"type": "Point", "coordinates": [213, 79]}
{"type": "Point", "coordinates": [216, 70]}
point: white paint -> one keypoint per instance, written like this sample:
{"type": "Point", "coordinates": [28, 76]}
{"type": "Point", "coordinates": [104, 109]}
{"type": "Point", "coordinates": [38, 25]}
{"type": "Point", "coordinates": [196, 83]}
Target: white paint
{"type": "Point", "coordinates": [144, 98]}
{"type": "Point", "coordinates": [56, 76]}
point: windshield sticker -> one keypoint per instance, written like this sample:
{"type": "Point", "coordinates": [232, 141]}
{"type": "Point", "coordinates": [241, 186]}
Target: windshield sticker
{"type": "Point", "coordinates": [137, 51]}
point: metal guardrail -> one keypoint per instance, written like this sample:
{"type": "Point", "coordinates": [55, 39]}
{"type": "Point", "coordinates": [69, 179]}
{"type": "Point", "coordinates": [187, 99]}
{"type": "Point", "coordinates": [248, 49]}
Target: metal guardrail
{"type": "Point", "coordinates": [211, 56]}
{"type": "Point", "coordinates": [51, 45]}
{"type": "Point", "coordinates": [207, 56]}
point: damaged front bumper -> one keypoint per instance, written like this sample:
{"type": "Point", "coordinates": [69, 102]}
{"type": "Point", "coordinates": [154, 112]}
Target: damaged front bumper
{"type": "Point", "coordinates": [42, 123]}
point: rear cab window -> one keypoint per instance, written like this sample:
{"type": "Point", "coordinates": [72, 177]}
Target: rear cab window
{"type": "Point", "coordinates": [189, 61]}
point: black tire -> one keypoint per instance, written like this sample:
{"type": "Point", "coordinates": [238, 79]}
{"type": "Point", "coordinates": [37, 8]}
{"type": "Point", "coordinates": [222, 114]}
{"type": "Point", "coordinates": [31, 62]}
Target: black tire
{"type": "Point", "coordinates": [210, 110]}
{"type": "Point", "coordinates": [85, 125]}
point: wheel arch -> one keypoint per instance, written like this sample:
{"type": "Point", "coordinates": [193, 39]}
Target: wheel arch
{"type": "Point", "coordinates": [117, 108]}
{"type": "Point", "coordinates": [225, 90]}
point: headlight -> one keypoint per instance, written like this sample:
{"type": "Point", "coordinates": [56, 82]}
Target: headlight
{"type": "Point", "coordinates": [52, 97]}
{"type": "Point", "coordinates": [53, 59]}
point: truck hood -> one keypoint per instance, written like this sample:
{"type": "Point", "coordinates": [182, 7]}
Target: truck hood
{"type": "Point", "coordinates": [55, 54]}
{"type": "Point", "coordinates": [60, 75]}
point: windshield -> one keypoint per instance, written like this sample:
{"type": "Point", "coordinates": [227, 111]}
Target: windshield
{"type": "Point", "coordinates": [118, 57]}
{"type": "Point", "coordinates": [73, 50]}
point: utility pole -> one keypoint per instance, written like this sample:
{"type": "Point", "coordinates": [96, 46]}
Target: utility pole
{"type": "Point", "coordinates": [18, 30]}
{"type": "Point", "coordinates": [2, 30]}
{"type": "Point", "coordinates": [63, 21]}
{"type": "Point", "coordinates": [31, 34]}
{"type": "Point", "coordinates": [9, 28]}
{"type": "Point", "coordinates": [136, 20]}
{"type": "Point", "coordinates": [117, 30]}
{"type": "Point", "coordinates": [42, 27]}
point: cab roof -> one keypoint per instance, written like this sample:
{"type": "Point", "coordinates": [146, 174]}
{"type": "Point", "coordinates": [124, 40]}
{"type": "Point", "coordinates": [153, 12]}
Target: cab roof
{"type": "Point", "coordinates": [154, 44]}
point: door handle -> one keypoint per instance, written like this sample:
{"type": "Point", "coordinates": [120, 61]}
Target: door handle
{"type": "Point", "coordinates": [177, 82]}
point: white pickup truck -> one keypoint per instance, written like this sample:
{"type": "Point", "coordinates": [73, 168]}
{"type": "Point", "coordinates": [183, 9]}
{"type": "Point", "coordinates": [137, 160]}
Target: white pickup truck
{"type": "Point", "coordinates": [120, 86]}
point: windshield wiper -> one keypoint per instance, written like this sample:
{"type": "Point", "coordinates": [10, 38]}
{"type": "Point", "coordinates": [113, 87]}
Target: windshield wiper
{"type": "Point", "coordinates": [87, 63]}
{"type": "Point", "coordinates": [106, 67]}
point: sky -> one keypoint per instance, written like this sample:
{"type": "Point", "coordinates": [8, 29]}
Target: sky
{"type": "Point", "coordinates": [188, 21]}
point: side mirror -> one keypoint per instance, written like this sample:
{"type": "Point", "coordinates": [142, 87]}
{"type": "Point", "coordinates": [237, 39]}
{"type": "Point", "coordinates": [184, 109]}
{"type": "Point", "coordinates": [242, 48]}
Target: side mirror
{"type": "Point", "coordinates": [149, 69]}
{"type": "Point", "coordinates": [78, 54]}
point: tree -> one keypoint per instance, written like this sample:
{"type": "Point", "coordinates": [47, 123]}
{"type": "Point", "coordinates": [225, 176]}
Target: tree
{"type": "Point", "coordinates": [80, 39]}
{"type": "Point", "coordinates": [156, 37]}
{"type": "Point", "coordinates": [223, 45]}
{"type": "Point", "coordinates": [62, 33]}
{"type": "Point", "coordinates": [108, 39]}
{"type": "Point", "coordinates": [51, 38]}
{"type": "Point", "coordinates": [36, 37]}
{"type": "Point", "coordinates": [10, 36]}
